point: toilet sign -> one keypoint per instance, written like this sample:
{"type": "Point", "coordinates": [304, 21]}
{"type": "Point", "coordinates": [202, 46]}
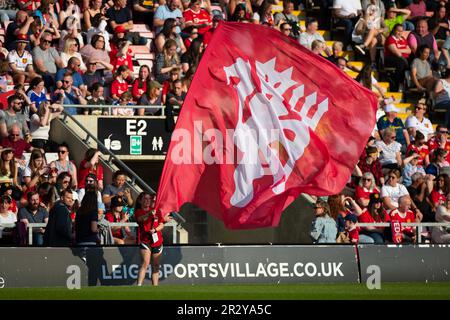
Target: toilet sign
{"type": "Point", "coordinates": [135, 145]}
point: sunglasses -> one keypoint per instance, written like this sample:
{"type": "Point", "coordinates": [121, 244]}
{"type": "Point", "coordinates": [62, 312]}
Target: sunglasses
{"type": "Point", "coordinates": [66, 181]}
{"type": "Point", "coordinates": [317, 207]}
{"type": "Point", "coordinates": [443, 132]}
{"type": "Point", "coordinates": [393, 137]}
{"type": "Point", "coordinates": [287, 29]}
{"type": "Point", "coordinates": [66, 81]}
{"type": "Point", "coordinates": [365, 179]}
{"type": "Point", "coordinates": [90, 181]}
{"type": "Point", "coordinates": [420, 108]}
{"type": "Point", "coordinates": [62, 151]}
{"type": "Point", "coordinates": [46, 41]}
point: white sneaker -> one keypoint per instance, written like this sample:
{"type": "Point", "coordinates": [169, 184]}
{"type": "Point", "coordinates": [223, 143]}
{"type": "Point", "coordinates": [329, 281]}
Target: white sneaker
{"type": "Point", "coordinates": [360, 48]}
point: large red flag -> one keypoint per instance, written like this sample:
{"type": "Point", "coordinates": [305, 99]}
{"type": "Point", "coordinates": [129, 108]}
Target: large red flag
{"type": "Point", "coordinates": [264, 120]}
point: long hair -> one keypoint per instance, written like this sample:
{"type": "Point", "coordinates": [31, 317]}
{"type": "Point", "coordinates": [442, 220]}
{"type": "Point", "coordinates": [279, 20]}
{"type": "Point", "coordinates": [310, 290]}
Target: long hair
{"type": "Point", "coordinates": [376, 213]}
{"type": "Point", "coordinates": [12, 166]}
{"type": "Point", "coordinates": [88, 204]}
{"type": "Point", "coordinates": [47, 195]}
{"type": "Point", "coordinates": [336, 205]}
{"type": "Point", "coordinates": [368, 175]}
{"type": "Point", "coordinates": [167, 60]}
{"type": "Point", "coordinates": [194, 52]}
{"type": "Point", "coordinates": [95, 38]}
{"type": "Point", "coordinates": [167, 27]}
{"type": "Point", "coordinates": [140, 81]}
{"type": "Point", "coordinates": [36, 154]}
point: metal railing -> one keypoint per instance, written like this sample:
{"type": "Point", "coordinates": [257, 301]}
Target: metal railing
{"type": "Point", "coordinates": [109, 107]}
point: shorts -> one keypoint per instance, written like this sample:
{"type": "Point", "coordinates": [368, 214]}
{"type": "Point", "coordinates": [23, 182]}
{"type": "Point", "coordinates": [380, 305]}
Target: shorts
{"type": "Point", "coordinates": [153, 250]}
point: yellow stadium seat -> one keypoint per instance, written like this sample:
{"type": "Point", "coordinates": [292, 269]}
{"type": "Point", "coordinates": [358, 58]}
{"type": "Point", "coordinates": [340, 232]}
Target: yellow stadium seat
{"type": "Point", "coordinates": [384, 85]}
{"type": "Point", "coordinates": [356, 64]}
{"type": "Point", "coordinates": [405, 107]}
{"type": "Point", "coordinates": [398, 96]}
{"type": "Point", "coordinates": [403, 116]}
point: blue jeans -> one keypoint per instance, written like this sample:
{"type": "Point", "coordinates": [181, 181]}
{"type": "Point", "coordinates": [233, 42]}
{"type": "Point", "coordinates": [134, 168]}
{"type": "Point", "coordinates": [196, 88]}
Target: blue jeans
{"type": "Point", "coordinates": [364, 239]}
{"type": "Point", "coordinates": [38, 239]}
{"type": "Point", "coordinates": [376, 237]}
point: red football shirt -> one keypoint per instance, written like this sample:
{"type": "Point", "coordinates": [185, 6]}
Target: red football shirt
{"type": "Point", "coordinates": [152, 222]}
{"type": "Point", "coordinates": [112, 218]}
{"type": "Point", "coordinates": [409, 217]}
{"type": "Point", "coordinates": [118, 87]}
{"type": "Point", "coordinates": [422, 151]}
{"type": "Point", "coordinates": [201, 17]}
{"type": "Point", "coordinates": [83, 172]}
{"type": "Point", "coordinates": [433, 144]}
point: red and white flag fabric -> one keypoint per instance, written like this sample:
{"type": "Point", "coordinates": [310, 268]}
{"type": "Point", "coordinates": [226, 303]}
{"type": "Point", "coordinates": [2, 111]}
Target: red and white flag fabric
{"type": "Point", "coordinates": [264, 120]}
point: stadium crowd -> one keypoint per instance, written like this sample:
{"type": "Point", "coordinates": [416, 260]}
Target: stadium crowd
{"type": "Point", "coordinates": [58, 54]}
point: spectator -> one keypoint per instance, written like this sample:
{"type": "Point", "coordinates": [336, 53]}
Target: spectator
{"type": "Point", "coordinates": [353, 230]}
{"type": "Point", "coordinates": [440, 140]}
{"type": "Point", "coordinates": [336, 52]}
{"type": "Point", "coordinates": [442, 234]}
{"type": "Point", "coordinates": [34, 213]}
{"type": "Point", "coordinates": [121, 235]}
{"type": "Point", "coordinates": [8, 10]}
{"type": "Point", "coordinates": [391, 120]}
{"type": "Point", "coordinates": [152, 97]}
{"type": "Point", "coordinates": [419, 192]}
{"type": "Point", "coordinates": [46, 59]}
{"type": "Point", "coordinates": [46, 192]}
{"type": "Point", "coordinates": [70, 31]}
{"type": "Point", "coordinates": [86, 220]}
{"type": "Point", "coordinates": [418, 9]}
{"type": "Point", "coordinates": [323, 228]}
{"type": "Point", "coordinates": [69, 94]}
{"type": "Point", "coordinates": [370, 163]}
{"type": "Point", "coordinates": [140, 84]}
{"type": "Point", "coordinates": [390, 150]}
{"type": "Point", "coordinates": [90, 164]}
{"type": "Point", "coordinates": [411, 166]}
{"type": "Point", "coordinates": [47, 13]}
{"type": "Point", "coordinates": [70, 9]}
{"type": "Point", "coordinates": [197, 17]}
{"type": "Point", "coordinates": [143, 11]}
{"type": "Point", "coordinates": [169, 31]}
{"type": "Point", "coordinates": [170, 10]}
{"type": "Point", "coordinates": [36, 92]}
{"type": "Point", "coordinates": [95, 8]}
{"type": "Point", "coordinates": [21, 61]}
{"type": "Point", "coordinates": [175, 99]}
{"type": "Point", "coordinates": [396, 52]}
{"type": "Point", "coordinates": [59, 226]}
{"type": "Point", "coordinates": [93, 75]}
{"type": "Point", "coordinates": [8, 168]}
{"type": "Point", "coordinates": [21, 25]}
{"type": "Point", "coordinates": [440, 190]}
{"type": "Point", "coordinates": [121, 53]}
{"type": "Point", "coordinates": [374, 213]}
{"type": "Point", "coordinates": [286, 29]}
{"type": "Point", "coordinates": [6, 217]}
{"type": "Point", "coordinates": [419, 147]}
{"type": "Point", "coordinates": [96, 51]}
{"type": "Point", "coordinates": [421, 73]}
{"type": "Point", "coordinates": [150, 239]}
{"type": "Point", "coordinates": [14, 142]}
{"type": "Point", "coordinates": [264, 14]}
{"type": "Point", "coordinates": [174, 75]}
{"type": "Point", "coordinates": [215, 22]}
{"type": "Point", "coordinates": [117, 188]}
{"type": "Point", "coordinates": [338, 211]}
{"type": "Point", "coordinates": [421, 37]}
{"type": "Point", "coordinates": [193, 34]}
{"type": "Point", "coordinates": [442, 95]}
{"type": "Point", "coordinates": [166, 61]}
{"type": "Point", "coordinates": [71, 51]}
{"type": "Point", "coordinates": [91, 184]}
{"type": "Point", "coordinates": [73, 68]}
{"type": "Point", "coordinates": [13, 115]}
{"type": "Point", "coordinates": [311, 34]}
{"type": "Point", "coordinates": [347, 12]}
{"type": "Point", "coordinates": [399, 16]}
{"type": "Point", "coordinates": [438, 162]}
{"type": "Point", "coordinates": [126, 99]}
{"type": "Point", "coordinates": [240, 10]}
{"type": "Point", "coordinates": [418, 121]}
{"type": "Point", "coordinates": [119, 15]}
{"type": "Point", "coordinates": [191, 58]}
{"type": "Point", "coordinates": [439, 25]}
{"type": "Point", "coordinates": [96, 98]}
{"type": "Point", "coordinates": [365, 188]}
{"type": "Point", "coordinates": [288, 17]}
{"type": "Point", "coordinates": [120, 84]}
{"type": "Point", "coordinates": [98, 27]}
{"type": "Point", "coordinates": [63, 164]}
{"type": "Point", "coordinates": [405, 213]}
{"type": "Point", "coordinates": [40, 126]}
{"type": "Point", "coordinates": [34, 173]}
{"type": "Point", "coordinates": [393, 190]}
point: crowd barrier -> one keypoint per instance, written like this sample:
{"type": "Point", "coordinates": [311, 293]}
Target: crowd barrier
{"type": "Point", "coordinates": [270, 264]}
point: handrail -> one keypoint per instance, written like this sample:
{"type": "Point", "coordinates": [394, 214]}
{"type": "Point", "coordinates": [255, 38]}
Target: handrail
{"type": "Point", "coordinates": [112, 156]}
{"type": "Point", "coordinates": [110, 106]}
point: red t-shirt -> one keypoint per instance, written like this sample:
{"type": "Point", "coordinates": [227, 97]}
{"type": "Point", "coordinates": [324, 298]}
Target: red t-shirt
{"type": "Point", "coordinates": [118, 61]}
{"type": "Point", "coordinates": [83, 172]}
{"type": "Point", "coordinates": [19, 146]}
{"type": "Point", "coordinates": [138, 92]}
{"type": "Point", "coordinates": [361, 193]}
{"type": "Point", "coordinates": [353, 235]}
{"type": "Point", "coordinates": [410, 217]}
{"type": "Point", "coordinates": [422, 151]}
{"type": "Point", "coordinates": [365, 217]}
{"type": "Point", "coordinates": [118, 87]}
{"type": "Point", "coordinates": [152, 222]}
{"type": "Point", "coordinates": [399, 43]}
{"type": "Point", "coordinates": [433, 144]}
{"type": "Point", "coordinates": [437, 197]}
{"type": "Point", "coordinates": [200, 17]}
{"type": "Point", "coordinates": [112, 218]}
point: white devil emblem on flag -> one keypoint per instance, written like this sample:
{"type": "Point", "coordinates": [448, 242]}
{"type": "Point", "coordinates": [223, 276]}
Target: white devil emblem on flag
{"type": "Point", "coordinates": [274, 126]}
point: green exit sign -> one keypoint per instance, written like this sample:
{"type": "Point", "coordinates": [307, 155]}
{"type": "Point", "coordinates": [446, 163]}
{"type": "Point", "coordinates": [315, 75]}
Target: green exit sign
{"type": "Point", "coordinates": [135, 145]}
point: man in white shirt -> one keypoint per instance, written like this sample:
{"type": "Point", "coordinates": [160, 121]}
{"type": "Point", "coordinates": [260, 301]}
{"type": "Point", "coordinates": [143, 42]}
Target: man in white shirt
{"type": "Point", "coordinates": [418, 121]}
{"type": "Point", "coordinates": [348, 13]}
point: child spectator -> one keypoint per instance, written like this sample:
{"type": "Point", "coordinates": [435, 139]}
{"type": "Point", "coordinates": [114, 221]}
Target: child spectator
{"type": "Point", "coordinates": [124, 101]}
{"type": "Point", "coordinates": [36, 92]}
{"type": "Point", "coordinates": [411, 166]}
{"type": "Point", "coordinates": [96, 98]}
{"type": "Point", "coordinates": [120, 84]}
{"type": "Point", "coordinates": [121, 235]}
{"type": "Point", "coordinates": [351, 229]}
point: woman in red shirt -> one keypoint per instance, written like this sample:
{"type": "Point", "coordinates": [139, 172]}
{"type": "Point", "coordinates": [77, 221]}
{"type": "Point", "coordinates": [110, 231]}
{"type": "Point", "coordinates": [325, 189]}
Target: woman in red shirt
{"type": "Point", "coordinates": [374, 213]}
{"type": "Point", "coordinates": [140, 84]}
{"type": "Point", "coordinates": [90, 164]}
{"type": "Point", "coordinates": [120, 84]}
{"type": "Point", "coordinates": [149, 237]}
{"type": "Point", "coordinates": [365, 189]}
{"type": "Point", "coordinates": [396, 53]}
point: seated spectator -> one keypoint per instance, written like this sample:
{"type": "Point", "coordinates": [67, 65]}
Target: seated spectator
{"type": "Point", "coordinates": [390, 150]}
{"type": "Point", "coordinates": [347, 12]}
{"type": "Point", "coordinates": [396, 53]}
{"type": "Point", "coordinates": [47, 13]}
{"type": "Point", "coordinates": [306, 38]}
{"type": "Point", "coordinates": [440, 140]}
{"type": "Point", "coordinates": [352, 230]}
{"type": "Point", "coordinates": [338, 211]}
{"type": "Point", "coordinates": [240, 10]}
{"type": "Point", "coordinates": [140, 84]}
{"type": "Point", "coordinates": [215, 22]}
{"type": "Point", "coordinates": [121, 235]}
{"type": "Point", "coordinates": [21, 61]}
{"type": "Point", "coordinates": [143, 12]}
{"type": "Point", "coordinates": [264, 14]}
{"type": "Point", "coordinates": [374, 213]}
{"type": "Point", "coordinates": [93, 74]}
{"type": "Point", "coordinates": [336, 52]}
{"type": "Point", "coordinates": [421, 73]}
{"type": "Point", "coordinates": [90, 164]}
{"type": "Point", "coordinates": [418, 122]}
{"type": "Point", "coordinates": [95, 8]}
{"type": "Point", "coordinates": [442, 234]}
{"type": "Point", "coordinates": [323, 228]}
{"type": "Point", "coordinates": [390, 120]}
{"type": "Point", "coordinates": [152, 97]}
{"type": "Point", "coordinates": [6, 217]}
{"type": "Point", "coordinates": [365, 188]}
{"type": "Point", "coordinates": [119, 15]}
{"type": "Point", "coordinates": [34, 213]}
{"type": "Point", "coordinates": [411, 166]}
{"type": "Point", "coordinates": [69, 9]}
{"type": "Point", "coordinates": [419, 192]}
{"type": "Point", "coordinates": [370, 163]}
{"type": "Point", "coordinates": [166, 61]}
{"type": "Point", "coordinates": [170, 10]}
{"type": "Point", "coordinates": [392, 190]}
{"type": "Point", "coordinates": [14, 142]}
{"type": "Point", "coordinates": [442, 95]}
{"type": "Point", "coordinates": [40, 126]}
{"type": "Point", "coordinates": [47, 191]}
{"type": "Point", "coordinates": [440, 190]}
{"type": "Point", "coordinates": [395, 16]}
{"type": "Point", "coordinates": [193, 34]}
{"type": "Point", "coordinates": [33, 174]}
{"type": "Point", "coordinates": [174, 75]}
{"type": "Point", "coordinates": [406, 213]}
{"type": "Point", "coordinates": [121, 53]}
{"type": "Point", "coordinates": [126, 99]}
{"type": "Point", "coordinates": [73, 67]}
{"type": "Point", "coordinates": [63, 164]}
{"type": "Point", "coordinates": [175, 99]}
{"type": "Point", "coordinates": [420, 148]}
{"type": "Point", "coordinates": [120, 85]}
{"type": "Point", "coordinates": [418, 9]}
{"type": "Point", "coordinates": [439, 25]}
{"type": "Point", "coordinates": [14, 115]}
{"type": "Point", "coordinates": [70, 50]}
{"type": "Point", "coordinates": [420, 37]}
{"type": "Point", "coordinates": [191, 58]}
{"type": "Point", "coordinates": [288, 17]}
{"type": "Point", "coordinates": [96, 50]}
{"type": "Point", "coordinates": [117, 188]}
{"type": "Point", "coordinates": [96, 98]}
{"type": "Point", "coordinates": [197, 17]}
{"type": "Point", "coordinates": [69, 94]}
{"type": "Point", "coordinates": [21, 25]}
{"type": "Point", "coordinates": [169, 31]}
{"type": "Point", "coordinates": [47, 60]}
{"type": "Point", "coordinates": [98, 27]}
{"type": "Point", "coordinates": [439, 161]}
{"type": "Point", "coordinates": [36, 92]}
